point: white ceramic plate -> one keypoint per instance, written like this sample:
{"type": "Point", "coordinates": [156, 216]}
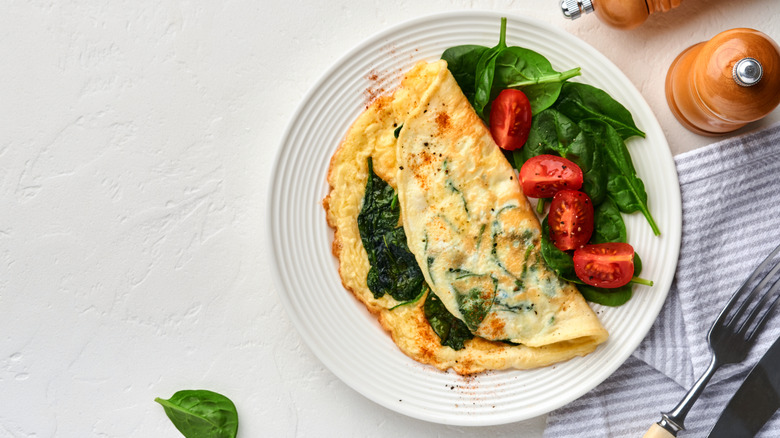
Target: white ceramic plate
{"type": "Point", "coordinates": [338, 328]}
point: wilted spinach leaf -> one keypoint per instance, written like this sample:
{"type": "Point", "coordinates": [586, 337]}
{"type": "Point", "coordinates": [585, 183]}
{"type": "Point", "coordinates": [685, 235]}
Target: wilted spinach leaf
{"type": "Point", "coordinates": [198, 413]}
{"type": "Point", "coordinates": [451, 331]}
{"type": "Point", "coordinates": [394, 269]}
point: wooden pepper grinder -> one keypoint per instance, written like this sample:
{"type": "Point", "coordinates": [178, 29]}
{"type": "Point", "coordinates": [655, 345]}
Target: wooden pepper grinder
{"type": "Point", "coordinates": [622, 14]}
{"type": "Point", "coordinates": [720, 85]}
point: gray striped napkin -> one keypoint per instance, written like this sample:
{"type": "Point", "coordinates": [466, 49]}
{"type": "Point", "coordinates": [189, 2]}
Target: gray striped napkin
{"type": "Point", "coordinates": [731, 221]}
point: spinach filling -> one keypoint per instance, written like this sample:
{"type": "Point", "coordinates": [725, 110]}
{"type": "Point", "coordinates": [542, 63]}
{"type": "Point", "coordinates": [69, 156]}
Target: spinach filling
{"type": "Point", "coordinates": [394, 269]}
{"type": "Point", "coordinates": [452, 332]}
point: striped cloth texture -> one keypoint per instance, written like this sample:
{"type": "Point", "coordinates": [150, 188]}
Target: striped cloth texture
{"type": "Point", "coordinates": [731, 222]}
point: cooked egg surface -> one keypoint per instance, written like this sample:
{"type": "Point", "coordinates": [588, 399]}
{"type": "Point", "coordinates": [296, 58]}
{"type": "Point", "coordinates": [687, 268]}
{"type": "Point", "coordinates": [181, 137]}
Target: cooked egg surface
{"type": "Point", "coordinates": [469, 226]}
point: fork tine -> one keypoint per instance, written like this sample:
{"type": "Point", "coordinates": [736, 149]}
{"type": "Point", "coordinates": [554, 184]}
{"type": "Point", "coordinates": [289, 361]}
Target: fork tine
{"type": "Point", "coordinates": [752, 332]}
{"type": "Point", "coordinates": [724, 318]}
{"type": "Point", "coordinates": [749, 300]}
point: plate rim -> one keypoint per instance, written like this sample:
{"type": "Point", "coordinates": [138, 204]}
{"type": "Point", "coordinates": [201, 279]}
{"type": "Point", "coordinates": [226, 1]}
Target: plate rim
{"type": "Point", "coordinates": [460, 418]}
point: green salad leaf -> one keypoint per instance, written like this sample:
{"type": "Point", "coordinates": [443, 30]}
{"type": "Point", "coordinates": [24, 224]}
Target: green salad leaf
{"type": "Point", "coordinates": [608, 225]}
{"type": "Point", "coordinates": [597, 148]}
{"type": "Point", "coordinates": [482, 73]}
{"type": "Point", "coordinates": [462, 63]}
{"type": "Point", "coordinates": [198, 413]}
{"type": "Point", "coordinates": [607, 297]}
{"type": "Point", "coordinates": [557, 260]}
{"type": "Point", "coordinates": [623, 184]}
{"type": "Point", "coordinates": [526, 70]}
{"type": "Point", "coordinates": [581, 101]}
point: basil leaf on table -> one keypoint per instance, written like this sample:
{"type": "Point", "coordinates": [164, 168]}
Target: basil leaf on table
{"type": "Point", "coordinates": [581, 101]}
{"type": "Point", "coordinates": [451, 331]}
{"type": "Point", "coordinates": [198, 413]}
{"type": "Point", "coordinates": [394, 269]}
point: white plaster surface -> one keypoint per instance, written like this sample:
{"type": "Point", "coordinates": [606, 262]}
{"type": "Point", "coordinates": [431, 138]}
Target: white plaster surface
{"type": "Point", "coordinates": [136, 146]}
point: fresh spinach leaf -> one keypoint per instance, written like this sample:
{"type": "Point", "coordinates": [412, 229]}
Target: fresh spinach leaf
{"type": "Point", "coordinates": [607, 297]}
{"type": "Point", "coordinates": [452, 332]}
{"type": "Point", "coordinates": [616, 296]}
{"type": "Point", "coordinates": [608, 225]}
{"type": "Point", "coordinates": [563, 265]}
{"type": "Point", "coordinates": [462, 63]}
{"type": "Point", "coordinates": [394, 269]}
{"type": "Point", "coordinates": [581, 101]}
{"type": "Point", "coordinates": [623, 185]}
{"type": "Point", "coordinates": [486, 70]}
{"type": "Point", "coordinates": [554, 133]}
{"type": "Point", "coordinates": [637, 265]}
{"type": "Point", "coordinates": [557, 260]}
{"type": "Point", "coordinates": [524, 69]}
{"type": "Point", "coordinates": [199, 413]}
{"type": "Point", "coordinates": [482, 72]}
{"type": "Point", "coordinates": [551, 133]}
{"type": "Point", "coordinates": [585, 152]}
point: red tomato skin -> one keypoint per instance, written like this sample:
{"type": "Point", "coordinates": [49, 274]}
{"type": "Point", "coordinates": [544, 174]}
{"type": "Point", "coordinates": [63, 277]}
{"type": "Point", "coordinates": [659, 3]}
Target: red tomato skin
{"type": "Point", "coordinates": [607, 265]}
{"type": "Point", "coordinates": [510, 119]}
{"type": "Point", "coordinates": [544, 175]}
{"type": "Point", "coordinates": [570, 219]}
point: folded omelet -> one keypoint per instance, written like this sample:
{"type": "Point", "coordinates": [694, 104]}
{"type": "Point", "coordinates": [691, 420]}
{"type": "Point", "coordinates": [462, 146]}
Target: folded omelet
{"type": "Point", "coordinates": [468, 224]}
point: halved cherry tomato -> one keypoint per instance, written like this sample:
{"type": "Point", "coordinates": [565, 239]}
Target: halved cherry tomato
{"type": "Point", "coordinates": [570, 219]}
{"type": "Point", "coordinates": [510, 119]}
{"type": "Point", "coordinates": [607, 265]}
{"type": "Point", "coordinates": [543, 175]}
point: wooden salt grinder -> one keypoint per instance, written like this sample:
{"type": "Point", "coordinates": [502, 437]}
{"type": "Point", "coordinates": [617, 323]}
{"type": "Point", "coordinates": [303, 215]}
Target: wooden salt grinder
{"type": "Point", "coordinates": [720, 85]}
{"type": "Point", "coordinates": [622, 14]}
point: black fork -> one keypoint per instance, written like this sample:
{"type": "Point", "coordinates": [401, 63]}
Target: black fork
{"type": "Point", "coordinates": [730, 338]}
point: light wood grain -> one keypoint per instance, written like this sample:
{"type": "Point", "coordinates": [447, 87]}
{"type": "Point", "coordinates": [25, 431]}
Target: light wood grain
{"type": "Point", "coordinates": [657, 431]}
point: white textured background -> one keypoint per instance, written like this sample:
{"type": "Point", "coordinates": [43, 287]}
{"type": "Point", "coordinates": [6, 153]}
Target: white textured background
{"type": "Point", "coordinates": [136, 143]}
